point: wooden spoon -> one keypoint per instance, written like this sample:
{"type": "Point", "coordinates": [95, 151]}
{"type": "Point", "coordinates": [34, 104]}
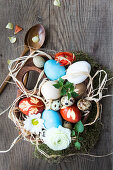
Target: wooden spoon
{"type": "Point", "coordinates": [28, 45]}
{"type": "Point", "coordinates": [37, 30]}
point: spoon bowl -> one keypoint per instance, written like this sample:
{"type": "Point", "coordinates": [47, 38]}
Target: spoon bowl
{"type": "Point", "coordinates": [37, 30]}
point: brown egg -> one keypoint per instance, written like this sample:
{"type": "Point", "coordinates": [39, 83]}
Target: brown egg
{"type": "Point", "coordinates": [67, 125]}
{"type": "Point", "coordinates": [80, 89]}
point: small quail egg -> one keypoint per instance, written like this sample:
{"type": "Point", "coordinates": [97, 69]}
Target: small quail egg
{"type": "Point", "coordinates": [38, 61]}
{"type": "Point", "coordinates": [84, 104]}
{"type": "Point", "coordinates": [67, 102]}
{"type": "Point", "coordinates": [55, 105]}
{"type": "Point", "coordinates": [67, 125]}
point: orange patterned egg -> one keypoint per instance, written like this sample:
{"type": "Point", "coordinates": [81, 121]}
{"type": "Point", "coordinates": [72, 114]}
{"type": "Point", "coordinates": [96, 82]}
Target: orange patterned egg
{"type": "Point", "coordinates": [31, 105]}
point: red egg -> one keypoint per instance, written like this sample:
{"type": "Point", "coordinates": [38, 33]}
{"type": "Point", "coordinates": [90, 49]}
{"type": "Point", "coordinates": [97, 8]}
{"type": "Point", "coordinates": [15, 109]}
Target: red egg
{"type": "Point", "coordinates": [65, 58]}
{"type": "Point", "coordinates": [71, 114]}
{"type": "Point", "coordinates": [31, 105]}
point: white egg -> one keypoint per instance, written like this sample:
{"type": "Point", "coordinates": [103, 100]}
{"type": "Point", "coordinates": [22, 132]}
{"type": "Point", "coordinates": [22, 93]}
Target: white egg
{"type": "Point", "coordinates": [49, 91]}
{"type": "Point", "coordinates": [75, 71]}
{"type": "Point", "coordinates": [38, 61]}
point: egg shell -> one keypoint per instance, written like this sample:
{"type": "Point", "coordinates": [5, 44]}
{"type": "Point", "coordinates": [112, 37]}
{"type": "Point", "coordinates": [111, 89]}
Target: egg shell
{"type": "Point", "coordinates": [51, 119]}
{"type": "Point", "coordinates": [38, 61]}
{"type": "Point", "coordinates": [49, 91]}
{"type": "Point", "coordinates": [31, 105]}
{"type": "Point", "coordinates": [77, 67]}
{"type": "Point", "coordinates": [54, 70]}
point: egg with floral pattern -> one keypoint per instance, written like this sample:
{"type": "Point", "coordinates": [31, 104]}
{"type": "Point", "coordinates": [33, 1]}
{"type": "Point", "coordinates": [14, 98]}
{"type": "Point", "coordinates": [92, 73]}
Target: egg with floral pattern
{"type": "Point", "coordinates": [71, 113]}
{"type": "Point", "coordinates": [31, 105]}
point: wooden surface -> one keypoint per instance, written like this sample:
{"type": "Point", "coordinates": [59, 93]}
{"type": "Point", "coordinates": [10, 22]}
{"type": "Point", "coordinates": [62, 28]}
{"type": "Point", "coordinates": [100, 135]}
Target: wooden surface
{"type": "Point", "coordinates": [85, 25]}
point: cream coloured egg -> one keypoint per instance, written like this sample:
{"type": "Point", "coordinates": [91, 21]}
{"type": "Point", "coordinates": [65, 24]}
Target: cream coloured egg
{"type": "Point", "coordinates": [38, 61]}
{"type": "Point", "coordinates": [77, 72]}
{"type": "Point", "coordinates": [49, 91]}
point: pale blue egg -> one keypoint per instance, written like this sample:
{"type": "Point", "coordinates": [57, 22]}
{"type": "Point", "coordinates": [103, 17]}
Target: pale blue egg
{"type": "Point", "coordinates": [51, 119]}
{"type": "Point", "coordinates": [54, 70]}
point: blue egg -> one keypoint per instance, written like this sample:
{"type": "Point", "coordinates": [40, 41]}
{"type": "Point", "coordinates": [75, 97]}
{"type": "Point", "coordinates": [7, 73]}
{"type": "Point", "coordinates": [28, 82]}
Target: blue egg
{"type": "Point", "coordinates": [54, 70]}
{"type": "Point", "coordinates": [51, 119]}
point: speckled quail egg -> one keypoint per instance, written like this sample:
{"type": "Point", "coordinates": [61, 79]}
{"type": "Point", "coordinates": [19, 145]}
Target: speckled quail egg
{"type": "Point", "coordinates": [55, 105]}
{"type": "Point", "coordinates": [67, 102]}
{"type": "Point", "coordinates": [84, 104]}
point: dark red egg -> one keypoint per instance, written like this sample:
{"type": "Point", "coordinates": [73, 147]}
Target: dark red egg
{"type": "Point", "coordinates": [71, 114]}
{"type": "Point", "coordinates": [31, 105]}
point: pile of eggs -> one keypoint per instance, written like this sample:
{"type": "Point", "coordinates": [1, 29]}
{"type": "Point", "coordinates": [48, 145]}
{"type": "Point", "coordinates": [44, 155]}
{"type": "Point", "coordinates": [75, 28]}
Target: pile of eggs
{"type": "Point", "coordinates": [60, 110]}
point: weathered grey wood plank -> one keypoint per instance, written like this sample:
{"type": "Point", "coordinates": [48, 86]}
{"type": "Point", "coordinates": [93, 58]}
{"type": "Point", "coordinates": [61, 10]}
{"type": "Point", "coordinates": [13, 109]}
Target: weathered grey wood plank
{"type": "Point", "coordinates": [77, 25]}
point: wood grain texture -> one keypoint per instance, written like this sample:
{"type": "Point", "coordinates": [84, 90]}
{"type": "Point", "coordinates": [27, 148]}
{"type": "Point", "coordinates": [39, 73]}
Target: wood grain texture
{"type": "Point", "coordinates": [85, 25]}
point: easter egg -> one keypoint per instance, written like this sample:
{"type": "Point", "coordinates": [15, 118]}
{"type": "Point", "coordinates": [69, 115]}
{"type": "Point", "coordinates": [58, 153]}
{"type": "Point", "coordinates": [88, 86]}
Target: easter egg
{"type": "Point", "coordinates": [51, 119]}
{"type": "Point", "coordinates": [55, 105]}
{"type": "Point", "coordinates": [38, 61]}
{"type": "Point", "coordinates": [31, 105]}
{"type": "Point", "coordinates": [65, 58]}
{"type": "Point", "coordinates": [68, 125]}
{"type": "Point", "coordinates": [71, 114]}
{"type": "Point", "coordinates": [84, 104]}
{"type": "Point", "coordinates": [54, 70]}
{"type": "Point", "coordinates": [67, 102]}
{"type": "Point", "coordinates": [49, 91]}
{"type": "Point", "coordinates": [75, 71]}
{"type": "Point", "coordinates": [80, 89]}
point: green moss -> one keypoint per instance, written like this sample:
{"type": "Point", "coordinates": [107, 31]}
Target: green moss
{"type": "Point", "coordinates": [90, 137]}
{"type": "Point", "coordinates": [80, 56]}
{"type": "Point", "coordinates": [91, 133]}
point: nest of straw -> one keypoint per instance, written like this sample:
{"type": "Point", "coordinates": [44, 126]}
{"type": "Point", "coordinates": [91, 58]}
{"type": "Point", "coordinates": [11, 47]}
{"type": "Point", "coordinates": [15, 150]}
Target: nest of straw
{"type": "Point", "coordinates": [90, 135]}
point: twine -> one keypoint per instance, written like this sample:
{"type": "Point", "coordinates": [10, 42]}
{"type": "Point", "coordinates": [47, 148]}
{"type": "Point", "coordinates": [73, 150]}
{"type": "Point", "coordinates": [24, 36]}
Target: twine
{"type": "Point", "coordinates": [12, 145]}
{"type": "Point", "coordinates": [77, 154]}
{"type": "Point", "coordinates": [91, 96]}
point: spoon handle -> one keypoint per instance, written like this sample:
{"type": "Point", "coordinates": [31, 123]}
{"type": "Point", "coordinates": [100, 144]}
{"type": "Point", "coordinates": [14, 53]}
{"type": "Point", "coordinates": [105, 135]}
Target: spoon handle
{"type": "Point", "coordinates": [4, 83]}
